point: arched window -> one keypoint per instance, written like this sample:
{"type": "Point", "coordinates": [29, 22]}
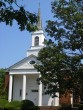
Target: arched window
{"type": "Point", "coordinates": [36, 41]}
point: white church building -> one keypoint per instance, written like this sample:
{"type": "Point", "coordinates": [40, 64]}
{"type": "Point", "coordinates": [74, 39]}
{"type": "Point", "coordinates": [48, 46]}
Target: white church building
{"type": "Point", "coordinates": [23, 76]}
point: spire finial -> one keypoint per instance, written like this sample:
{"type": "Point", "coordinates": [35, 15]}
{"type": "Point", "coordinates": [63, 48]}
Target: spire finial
{"type": "Point", "coordinates": [39, 4]}
{"type": "Point", "coordinates": [39, 22]}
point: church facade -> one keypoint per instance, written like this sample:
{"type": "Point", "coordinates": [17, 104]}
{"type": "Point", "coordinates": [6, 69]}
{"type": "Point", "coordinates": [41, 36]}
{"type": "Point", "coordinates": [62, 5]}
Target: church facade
{"type": "Point", "coordinates": [23, 76]}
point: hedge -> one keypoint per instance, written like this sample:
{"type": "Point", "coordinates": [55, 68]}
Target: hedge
{"type": "Point", "coordinates": [17, 105]}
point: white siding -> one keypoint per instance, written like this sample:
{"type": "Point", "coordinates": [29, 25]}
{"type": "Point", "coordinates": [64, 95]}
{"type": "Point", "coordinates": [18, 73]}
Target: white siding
{"type": "Point", "coordinates": [31, 85]}
{"type": "Point", "coordinates": [17, 86]}
{"type": "Point", "coordinates": [25, 64]}
{"type": "Point", "coordinates": [32, 88]}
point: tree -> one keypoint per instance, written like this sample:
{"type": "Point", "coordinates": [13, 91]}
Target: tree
{"type": "Point", "coordinates": [3, 92]}
{"type": "Point", "coordinates": [10, 11]}
{"type": "Point", "coordinates": [61, 64]}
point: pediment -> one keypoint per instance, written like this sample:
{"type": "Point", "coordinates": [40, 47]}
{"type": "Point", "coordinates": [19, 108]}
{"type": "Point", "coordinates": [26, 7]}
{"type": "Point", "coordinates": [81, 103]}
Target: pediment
{"type": "Point", "coordinates": [24, 63]}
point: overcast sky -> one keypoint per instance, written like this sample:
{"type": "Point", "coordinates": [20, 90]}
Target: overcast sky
{"type": "Point", "coordinates": [14, 43]}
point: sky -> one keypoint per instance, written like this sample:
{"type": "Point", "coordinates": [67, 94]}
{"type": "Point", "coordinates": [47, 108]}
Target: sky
{"type": "Point", "coordinates": [15, 43]}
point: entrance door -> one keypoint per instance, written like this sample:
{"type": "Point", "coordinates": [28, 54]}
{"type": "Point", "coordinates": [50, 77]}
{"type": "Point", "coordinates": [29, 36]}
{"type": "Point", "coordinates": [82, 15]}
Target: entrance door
{"type": "Point", "coordinates": [32, 94]}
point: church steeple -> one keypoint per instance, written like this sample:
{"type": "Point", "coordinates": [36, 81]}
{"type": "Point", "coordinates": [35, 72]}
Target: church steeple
{"type": "Point", "coordinates": [38, 37]}
{"type": "Point", "coordinates": [39, 21]}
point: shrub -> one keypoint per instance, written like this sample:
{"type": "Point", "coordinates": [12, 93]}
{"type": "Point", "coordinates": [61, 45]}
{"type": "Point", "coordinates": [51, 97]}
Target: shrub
{"type": "Point", "coordinates": [14, 105]}
{"type": "Point", "coordinates": [1, 108]}
{"type": "Point", "coordinates": [80, 106]}
{"type": "Point", "coordinates": [66, 107]}
{"type": "Point", "coordinates": [8, 107]}
{"type": "Point", "coordinates": [76, 105]}
{"type": "Point", "coordinates": [36, 108]}
{"type": "Point", "coordinates": [17, 105]}
{"type": "Point", "coordinates": [3, 102]}
{"type": "Point", "coordinates": [27, 105]}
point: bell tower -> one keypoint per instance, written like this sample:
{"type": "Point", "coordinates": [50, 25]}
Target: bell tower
{"type": "Point", "coordinates": [38, 37]}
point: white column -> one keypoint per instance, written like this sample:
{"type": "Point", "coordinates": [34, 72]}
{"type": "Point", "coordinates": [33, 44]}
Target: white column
{"type": "Point", "coordinates": [10, 88]}
{"type": "Point", "coordinates": [72, 99]}
{"type": "Point", "coordinates": [24, 88]}
{"type": "Point", "coordinates": [56, 100]}
{"type": "Point", "coordinates": [40, 93]}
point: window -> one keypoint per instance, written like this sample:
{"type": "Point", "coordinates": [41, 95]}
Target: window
{"type": "Point", "coordinates": [34, 90]}
{"type": "Point", "coordinates": [32, 62]}
{"type": "Point", "coordinates": [36, 41]}
{"type": "Point", "coordinates": [20, 92]}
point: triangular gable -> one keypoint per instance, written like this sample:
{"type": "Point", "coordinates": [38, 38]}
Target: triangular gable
{"type": "Point", "coordinates": [24, 63]}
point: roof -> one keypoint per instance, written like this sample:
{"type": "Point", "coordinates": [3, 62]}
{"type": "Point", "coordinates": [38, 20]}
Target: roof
{"type": "Point", "coordinates": [21, 62]}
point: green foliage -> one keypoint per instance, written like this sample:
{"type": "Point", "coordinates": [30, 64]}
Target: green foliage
{"type": "Point", "coordinates": [76, 105]}
{"type": "Point", "coordinates": [67, 107]}
{"type": "Point", "coordinates": [3, 92]}
{"type": "Point", "coordinates": [61, 64]}
{"type": "Point", "coordinates": [3, 102]}
{"type": "Point", "coordinates": [10, 11]}
{"type": "Point", "coordinates": [2, 77]}
{"type": "Point", "coordinates": [13, 105]}
{"type": "Point", "coordinates": [36, 108]}
{"type": "Point", "coordinates": [17, 105]}
{"type": "Point", "coordinates": [68, 24]}
{"type": "Point", "coordinates": [80, 106]}
{"type": "Point", "coordinates": [8, 106]}
{"type": "Point", "coordinates": [27, 105]}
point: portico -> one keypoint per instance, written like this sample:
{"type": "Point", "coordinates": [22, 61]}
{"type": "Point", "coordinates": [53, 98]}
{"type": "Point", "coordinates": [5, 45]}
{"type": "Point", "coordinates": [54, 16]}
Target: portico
{"type": "Point", "coordinates": [23, 92]}
{"type": "Point", "coordinates": [26, 87]}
